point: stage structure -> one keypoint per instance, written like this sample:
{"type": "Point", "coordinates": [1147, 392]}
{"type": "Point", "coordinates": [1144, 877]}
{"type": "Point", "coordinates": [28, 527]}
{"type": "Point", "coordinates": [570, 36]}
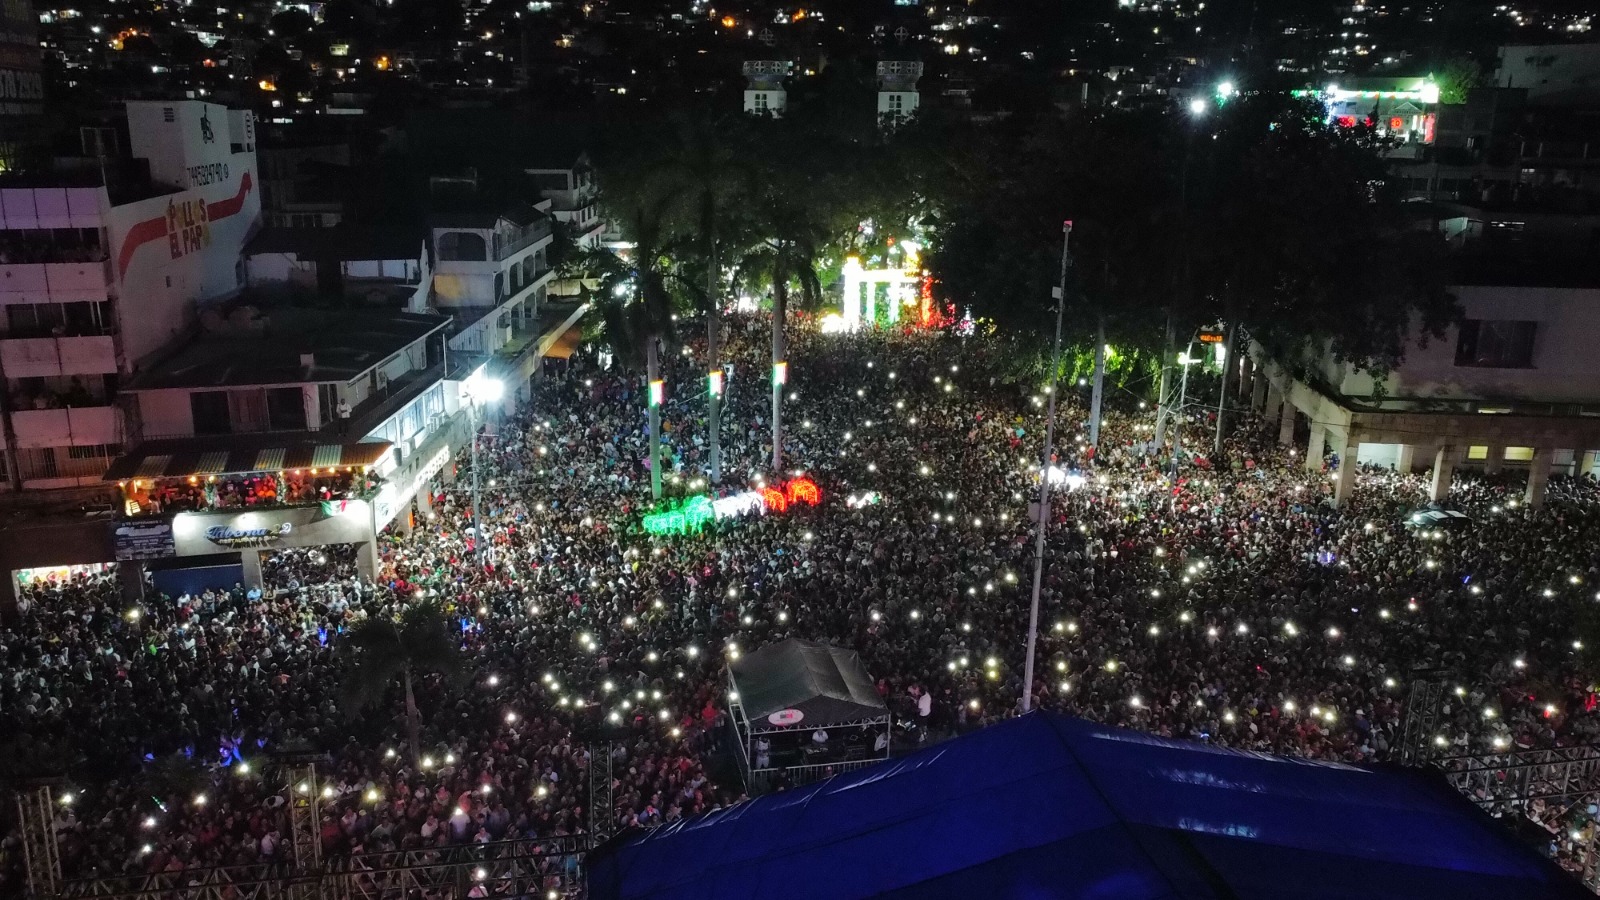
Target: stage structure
{"type": "Point", "coordinates": [1044, 805]}
{"type": "Point", "coordinates": [781, 696]}
{"type": "Point", "coordinates": [861, 286]}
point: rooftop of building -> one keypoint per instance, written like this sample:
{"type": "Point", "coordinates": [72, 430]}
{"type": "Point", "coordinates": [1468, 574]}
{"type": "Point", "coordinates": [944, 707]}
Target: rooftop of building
{"type": "Point", "coordinates": [268, 349]}
{"type": "Point", "coordinates": [348, 243]}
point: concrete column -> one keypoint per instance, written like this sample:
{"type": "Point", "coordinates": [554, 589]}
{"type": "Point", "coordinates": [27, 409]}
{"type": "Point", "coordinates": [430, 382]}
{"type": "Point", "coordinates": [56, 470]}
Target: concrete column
{"type": "Point", "coordinates": [1494, 459]}
{"type": "Point", "coordinates": [1406, 463]}
{"type": "Point", "coordinates": [1258, 392]}
{"type": "Point", "coordinates": [367, 560]}
{"type": "Point", "coordinates": [1314, 450]}
{"type": "Point", "coordinates": [1538, 476]}
{"type": "Point", "coordinates": [1286, 426]}
{"type": "Point", "coordinates": [1247, 372]}
{"type": "Point", "coordinates": [1274, 407]}
{"type": "Point", "coordinates": [1444, 466]}
{"type": "Point", "coordinates": [1345, 478]}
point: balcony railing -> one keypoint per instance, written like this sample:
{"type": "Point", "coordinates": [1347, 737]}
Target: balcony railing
{"type": "Point", "coordinates": [48, 357]}
{"type": "Point", "coordinates": [55, 282]}
{"type": "Point", "coordinates": [529, 236]}
{"type": "Point", "coordinates": [78, 426]}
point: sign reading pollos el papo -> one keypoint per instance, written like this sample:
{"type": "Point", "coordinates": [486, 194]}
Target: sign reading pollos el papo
{"type": "Point", "coordinates": [242, 537]}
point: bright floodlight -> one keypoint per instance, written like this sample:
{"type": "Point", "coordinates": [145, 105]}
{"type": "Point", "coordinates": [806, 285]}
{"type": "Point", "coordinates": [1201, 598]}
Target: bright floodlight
{"type": "Point", "coordinates": [1197, 106]}
{"type": "Point", "coordinates": [1225, 89]}
{"type": "Point", "coordinates": [485, 390]}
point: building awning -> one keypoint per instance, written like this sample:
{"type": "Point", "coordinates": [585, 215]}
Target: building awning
{"type": "Point", "coordinates": [565, 344]}
{"type": "Point", "coordinates": [169, 459]}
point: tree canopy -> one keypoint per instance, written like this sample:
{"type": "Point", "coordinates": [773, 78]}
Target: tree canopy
{"type": "Point", "coordinates": [1258, 212]}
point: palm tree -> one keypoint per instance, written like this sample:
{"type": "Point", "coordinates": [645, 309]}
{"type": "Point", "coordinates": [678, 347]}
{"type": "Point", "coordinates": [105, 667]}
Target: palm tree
{"type": "Point", "coordinates": [787, 257]}
{"type": "Point", "coordinates": [419, 641]}
{"type": "Point", "coordinates": [636, 306]}
{"type": "Point", "coordinates": [712, 174]}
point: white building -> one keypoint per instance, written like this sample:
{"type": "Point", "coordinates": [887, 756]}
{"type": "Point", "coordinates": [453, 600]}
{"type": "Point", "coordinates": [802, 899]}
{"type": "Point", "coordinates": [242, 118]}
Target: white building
{"type": "Point", "coordinates": [492, 274]}
{"type": "Point", "coordinates": [897, 90]}
{"type": "Point", "coordinates": [286, 394]}
{"type": "Point", "coordinates": [1513, 386]}
{"type": "Point", "coordinates": [92, 288]}
{"type": "Point", "coordinates": [764, 93]}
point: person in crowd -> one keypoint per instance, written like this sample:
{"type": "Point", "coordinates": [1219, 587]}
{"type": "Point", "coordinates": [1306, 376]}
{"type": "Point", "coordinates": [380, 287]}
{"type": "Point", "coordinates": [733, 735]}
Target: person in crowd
{"type": "Point", "coordinates": [1221, 599]}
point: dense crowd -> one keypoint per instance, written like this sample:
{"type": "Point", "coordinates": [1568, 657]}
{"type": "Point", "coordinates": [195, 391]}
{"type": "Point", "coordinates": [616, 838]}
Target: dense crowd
{"type": "Point", "coordinates": [1231, 604]}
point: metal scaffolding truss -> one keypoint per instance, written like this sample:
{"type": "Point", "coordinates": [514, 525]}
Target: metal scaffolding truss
{"type": "Point", "coordinates": [305, 812]}
{"type": "Point", "coordinates": [36, 817]}
{"type": "Point", "coordinates": [521, 868]}
{"type": "Point", "coordinates": [1557, 774]}
{"type": "Point", "coordinates": [602, 811]}
{"type": "Point", "coordinates": [1420, 729]}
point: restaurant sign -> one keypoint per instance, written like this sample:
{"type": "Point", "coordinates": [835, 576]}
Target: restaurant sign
{"type": "Point", "coordinates": [227, 536]}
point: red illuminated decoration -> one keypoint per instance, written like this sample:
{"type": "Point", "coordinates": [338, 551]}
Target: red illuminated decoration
{"type": "Point", "coordinates": [927, 310]}
{"type": "Point", "coordinates": [1397, 124]}
{"type": "Point", "coordinates": [1346, 121]}
{"type": "Point", "coordinates": [803, 490]}
{"type": "Point", "coordinates": [774, 500]}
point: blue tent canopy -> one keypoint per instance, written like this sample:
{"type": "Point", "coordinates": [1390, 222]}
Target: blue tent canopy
{"type": "Point", "coordinates": [1047, 806]}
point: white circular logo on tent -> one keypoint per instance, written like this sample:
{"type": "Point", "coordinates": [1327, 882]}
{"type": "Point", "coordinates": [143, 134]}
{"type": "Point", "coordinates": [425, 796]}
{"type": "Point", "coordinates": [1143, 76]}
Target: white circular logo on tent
{"type": "Point", "coordinates": [786, 717]}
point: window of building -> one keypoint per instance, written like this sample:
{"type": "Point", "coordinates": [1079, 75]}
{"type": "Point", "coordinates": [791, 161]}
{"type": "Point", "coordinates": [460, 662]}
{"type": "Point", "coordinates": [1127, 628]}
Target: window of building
{"type": "Point", "coordinates": [286, 409]}
{"type": "Point", "coordinates": [463, 246]}
{"type": "Point", "coordinates": [1496, 343]}
{"type": "Point", "coordinates": [897, 104]}
{"type": "Point", "coordinates": [761, 101]}
{"type": "Point", "coordinates": [210, 412]}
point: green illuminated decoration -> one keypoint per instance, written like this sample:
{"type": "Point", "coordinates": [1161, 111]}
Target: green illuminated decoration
{"type": "Point", "coordinates": [692, 516]}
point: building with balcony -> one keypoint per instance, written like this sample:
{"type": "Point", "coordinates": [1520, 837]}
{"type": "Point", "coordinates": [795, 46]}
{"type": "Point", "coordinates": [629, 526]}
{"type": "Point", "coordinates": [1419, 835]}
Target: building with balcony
{"type": "Point", "coordinates": [372, 267]}
{"type": "Point", "coordinates": [566, 179]}
{"type": "Point", "coordinates": [96, 281]}
{"type": "Point", "coordinates": [284, 427]}
{"type": "Point", "coordinates": [300, 185]}
{"type": "Point", "coordinates": [764, 93]}
{"type": "Point", "coordinates": [491, 274]}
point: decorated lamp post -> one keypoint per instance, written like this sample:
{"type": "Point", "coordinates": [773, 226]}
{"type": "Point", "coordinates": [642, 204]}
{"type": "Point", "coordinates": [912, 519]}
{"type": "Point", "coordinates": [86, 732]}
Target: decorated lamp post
{"type": "Point", "coordinates": [480, 391]}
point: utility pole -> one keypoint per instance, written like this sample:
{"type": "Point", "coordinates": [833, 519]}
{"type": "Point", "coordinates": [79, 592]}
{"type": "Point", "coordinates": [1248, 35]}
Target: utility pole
{"type": "Point", "coordinates": [656, 390]}
{"type": "Point", "coordinates": [1097, 393]}
{"type": "Point", "coordinates": [1222, 401]}
{"type": "Point", "coordinates": [478, 536]}
{"type": "Point", "coordinates": [715, 380]}
{"type": "Point", "coordinates": [1043, 519]}
{"type": "Point", "coordinates": [1183, 399]}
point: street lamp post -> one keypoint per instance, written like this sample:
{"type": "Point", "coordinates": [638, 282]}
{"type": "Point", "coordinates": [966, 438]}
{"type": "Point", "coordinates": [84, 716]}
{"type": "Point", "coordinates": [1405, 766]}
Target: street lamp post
{"type": "Point", "coordinates": [1044, 474]}
{"type": "Point", "coordinates": [1183, 397]}
{"type": "Point", "coordinates": [480, 392]}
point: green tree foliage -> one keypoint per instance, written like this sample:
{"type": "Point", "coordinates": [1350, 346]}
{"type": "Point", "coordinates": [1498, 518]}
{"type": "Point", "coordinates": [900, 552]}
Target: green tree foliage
{"type": "Point", "coordinates": [1456, 76]}
{"type": "Point", "coordinates": [1298, 234]}
{"type": "Point", "coordinates": [379, 651]}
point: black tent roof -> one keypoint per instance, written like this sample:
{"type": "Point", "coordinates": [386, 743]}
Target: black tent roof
{"type": "Point", "coordinates": [825, 685]}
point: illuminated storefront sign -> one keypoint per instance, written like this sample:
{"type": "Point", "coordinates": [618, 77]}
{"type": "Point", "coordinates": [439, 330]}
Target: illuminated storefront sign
{"type": "Point", "coordinates": [228, 536]}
